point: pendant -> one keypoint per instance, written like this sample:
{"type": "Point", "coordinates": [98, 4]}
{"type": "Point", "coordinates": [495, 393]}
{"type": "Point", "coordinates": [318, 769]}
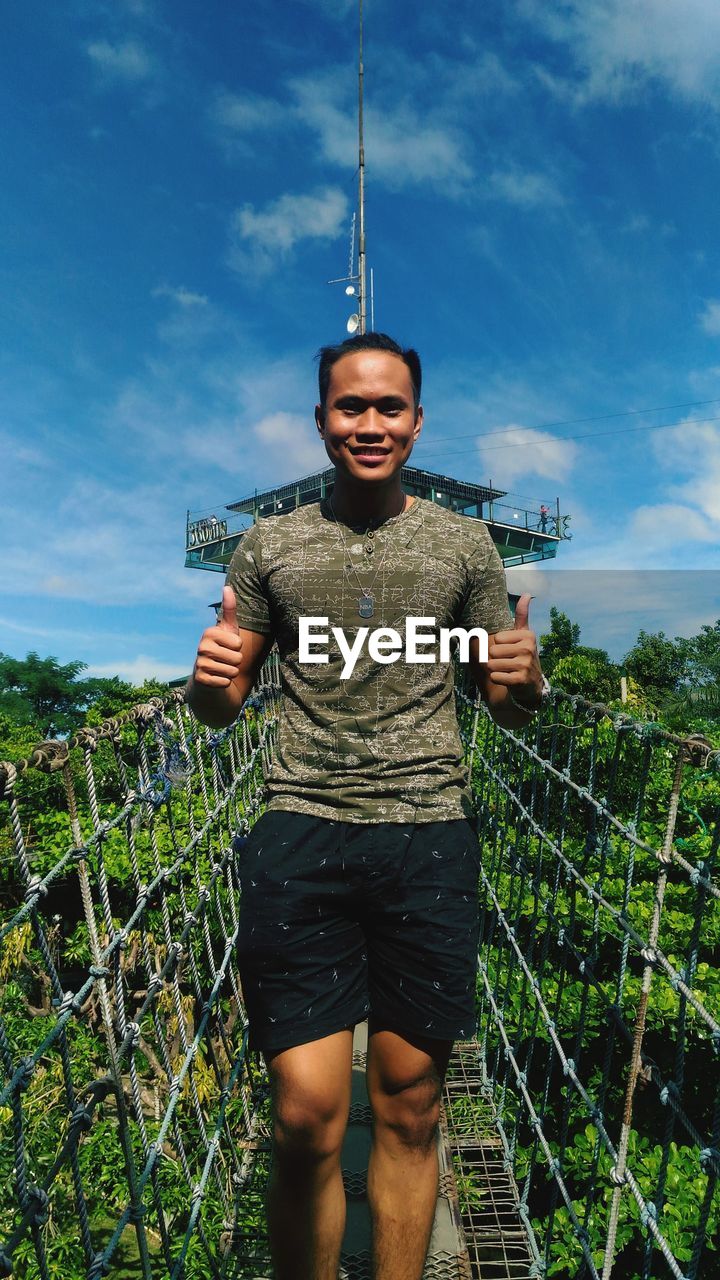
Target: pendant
{"type": "Point", "coordinates": [366, 605]}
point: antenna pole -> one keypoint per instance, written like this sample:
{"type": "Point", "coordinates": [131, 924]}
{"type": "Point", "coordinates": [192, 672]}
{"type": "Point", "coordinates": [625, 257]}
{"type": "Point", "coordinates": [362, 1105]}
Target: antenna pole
{"type": "Point", "coordinates": [362, 311]}
{"type": "Point", "coordinates": [372, 300]}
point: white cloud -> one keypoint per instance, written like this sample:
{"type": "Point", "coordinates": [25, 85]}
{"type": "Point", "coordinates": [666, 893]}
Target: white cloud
{"type": "Point", "coordinates": [421, 138]}
{"type": "Point", "coordinates": [524, 188]}
{"type": "Point", "coordinates": [292, 442]}
{"type": "Point", "coordinates": [692, 451]}
{"type": "Point", "coordinates": [485, 76]}
{"type": "Point", "coordinates": [613, 604]}
{"type": "Point", "coordinates": [620, 47]}
{"type": "Point", "coordinates": [668, 524]}
{"type": "Point", "coordinates": [408, 144]}
{"type": "Point", "coordinates": [262, 238]}
{"type": "Point", "coordinates": [183, 297]}
{"type": "Point", "coordinates": [532, 453]}
{"type": "Point", "coordinates": [641, 224]}
{"type": "Point", "coordinates": [138, 670]}
{"type": "Point", "coordinates": [245, 113]}
{"type": "Point", "coordinates": [17, 454]}
{"type": "Point", "coordinates": [106, 546]}
{"type": "Point", "coordinates": [190, 319]}
{"type": "Point", "coordinates": [710, 317]}
{"type": "Point", "coordinates": [126, 61]}
{"type": "Point", "coordinates": [682, 528]}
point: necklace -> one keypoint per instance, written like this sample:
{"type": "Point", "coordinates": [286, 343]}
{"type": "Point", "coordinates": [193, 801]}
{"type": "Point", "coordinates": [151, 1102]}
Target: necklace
{"type": "Point", "coordinates": [366, 601]}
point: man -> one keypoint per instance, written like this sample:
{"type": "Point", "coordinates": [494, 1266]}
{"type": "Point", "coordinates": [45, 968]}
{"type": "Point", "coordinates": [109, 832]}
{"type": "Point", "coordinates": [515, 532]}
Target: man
{"type": "Point", "coordinates": [359, 882]}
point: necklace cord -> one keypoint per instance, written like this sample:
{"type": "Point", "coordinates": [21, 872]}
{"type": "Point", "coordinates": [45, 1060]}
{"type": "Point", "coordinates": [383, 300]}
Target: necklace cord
{"type": "Point", "coordinates": [366, 602]}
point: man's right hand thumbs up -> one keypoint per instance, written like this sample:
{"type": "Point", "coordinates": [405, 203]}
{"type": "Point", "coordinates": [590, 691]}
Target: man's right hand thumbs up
{"type": "Point", "coordinates": [219, 655]}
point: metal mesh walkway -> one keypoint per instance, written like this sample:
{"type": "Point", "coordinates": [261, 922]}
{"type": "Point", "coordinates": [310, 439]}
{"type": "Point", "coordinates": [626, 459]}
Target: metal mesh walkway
{"type": "Point", "coordinates": [584, 1124]}
{"type": "Point", "coordinates": [496, 1241]}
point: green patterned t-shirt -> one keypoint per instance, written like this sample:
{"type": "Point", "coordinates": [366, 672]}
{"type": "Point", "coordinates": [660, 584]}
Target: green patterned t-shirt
{"type": "Point", "coordinates": [382, 745]}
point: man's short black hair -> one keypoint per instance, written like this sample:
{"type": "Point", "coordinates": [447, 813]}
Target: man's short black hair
{"type": "Point", "coordinates": [328, 356]}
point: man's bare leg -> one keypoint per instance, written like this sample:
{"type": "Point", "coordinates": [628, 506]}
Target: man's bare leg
{"type": "Point", "coordinates": [404, 1083]}
{"type": "Point", "coordinates": [306, 1200]}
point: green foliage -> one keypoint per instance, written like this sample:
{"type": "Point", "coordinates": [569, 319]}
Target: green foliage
{"type": "Point", "coordinates": [577, 668]}
{"type": "Point", "coordinates": [658, 664]}
{"type": "Point", "coordinates": [676, 680]}
{"type": "Point", "coordinates": [110, 697]}
{"type": "Point", "coordinates": [562, 639]}
{"type": "Point", "coordinates": [161, 835]}
{"type": "Point", "coordinates": [594, 678]}
{"type": "Point", "coordinates": [40, 691]}
{"type": "Point", "coordinates": [680, 678]}
{"type": "Point", "coordinates": [41, 698]}
{"type": "Point", "coordinates": [693, 710]}
{"type": "Point", "coordinates": [703, 655]}
{"type": "Point", "coordinates": [685, 1188]}
{"type": "Point", "coordinates": [537, 898]}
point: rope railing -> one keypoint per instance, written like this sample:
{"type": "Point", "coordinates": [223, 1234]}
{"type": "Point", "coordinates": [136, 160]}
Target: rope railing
{"type": "Point", "coordinates": [599, 986]}
{"type": "Point", "coordinates": [133, 1116]}
{"type": "Point", "coordinates": [128, 1099]}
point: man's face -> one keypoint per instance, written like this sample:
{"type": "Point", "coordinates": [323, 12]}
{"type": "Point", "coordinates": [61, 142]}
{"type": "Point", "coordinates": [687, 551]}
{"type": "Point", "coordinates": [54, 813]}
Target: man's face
{"type": "Point", "coordinates": [369, 425]}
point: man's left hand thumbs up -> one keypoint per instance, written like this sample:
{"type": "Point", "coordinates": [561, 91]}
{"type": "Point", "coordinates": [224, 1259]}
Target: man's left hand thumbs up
{"type": "Point", "coordinates": [522, 611]}
{"type": "Point", "coordinates": [513, 659]}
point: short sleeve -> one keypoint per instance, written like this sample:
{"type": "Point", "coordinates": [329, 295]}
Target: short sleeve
{"type": "Point", "coordinates": [486, 602]}
{"type": "Point", "coordinates": [245, 576]}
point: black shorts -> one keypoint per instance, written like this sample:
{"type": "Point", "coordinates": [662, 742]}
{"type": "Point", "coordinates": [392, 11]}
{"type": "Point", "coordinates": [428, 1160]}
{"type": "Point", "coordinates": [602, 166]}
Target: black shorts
{"type": "Point", "coordinates": [339, 920]}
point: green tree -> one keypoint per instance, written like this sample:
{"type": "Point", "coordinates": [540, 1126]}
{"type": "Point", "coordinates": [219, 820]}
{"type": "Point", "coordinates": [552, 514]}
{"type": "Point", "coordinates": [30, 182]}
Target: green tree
{"type": "Point", "coordinates": [560, 641]}
{"type": "Point", "coordinates": [575, 667]}
{"type": "Point", "coordinates": [110, 696]}
{"type": "Point", "coordinates": [590, 673]}
{"type": "Point", "coordinates": [703, 656]}
{"type": "Point", "coordinates": [45, 699]}
{"type": "Point", "coordinates": [657, 663]}
{"type": "Point", "coordinates": [680, 677]}
{"type": "Point", "coordinates": [41, 691]}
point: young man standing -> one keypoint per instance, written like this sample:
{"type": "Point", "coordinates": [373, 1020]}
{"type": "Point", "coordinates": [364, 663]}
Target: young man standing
{"type": "Point", "coordinates": [359, 882]}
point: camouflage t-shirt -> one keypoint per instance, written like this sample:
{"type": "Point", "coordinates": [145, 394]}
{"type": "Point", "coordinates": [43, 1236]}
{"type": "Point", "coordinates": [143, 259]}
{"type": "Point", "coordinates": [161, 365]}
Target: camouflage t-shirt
{"type": "Point", "coordinates": [383, 744]}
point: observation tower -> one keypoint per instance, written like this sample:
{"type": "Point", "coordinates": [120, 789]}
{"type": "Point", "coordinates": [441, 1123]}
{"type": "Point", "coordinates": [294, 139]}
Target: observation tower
{"type": "Point", "coordinates": [521, 533]}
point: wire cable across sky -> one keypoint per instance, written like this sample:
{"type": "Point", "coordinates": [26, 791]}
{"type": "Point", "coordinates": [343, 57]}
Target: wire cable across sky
{"type": "Point", "coordinates": [555, 440]}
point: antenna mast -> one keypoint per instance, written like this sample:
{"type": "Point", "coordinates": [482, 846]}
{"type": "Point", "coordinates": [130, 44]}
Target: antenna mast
{"type": "Point", "coordinates": [362, 308]}
{"type": "Point", "coordinates": [357, 323]}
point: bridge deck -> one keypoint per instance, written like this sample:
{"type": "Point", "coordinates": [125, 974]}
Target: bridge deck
{"type": "Point", "coordinates": [496, 1241]}
{"type": "Point", "coordinates": [477, 1234]}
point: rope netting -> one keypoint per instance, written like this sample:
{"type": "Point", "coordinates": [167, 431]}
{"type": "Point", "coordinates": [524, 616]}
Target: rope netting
{"type": "Point", "coordinates": [129, 1102]}
{"type": "Point", "coordinates": [599, 986]}
{"type": "Point", "coordinates": [134, 1118]}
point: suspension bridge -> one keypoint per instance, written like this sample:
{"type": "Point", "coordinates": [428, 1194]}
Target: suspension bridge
{"type": "Point", "coordinates": [581, 1128]}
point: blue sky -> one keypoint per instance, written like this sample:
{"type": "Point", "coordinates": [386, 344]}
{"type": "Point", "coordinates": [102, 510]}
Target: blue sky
{"type": "Point", "coordinates": [178, 182]}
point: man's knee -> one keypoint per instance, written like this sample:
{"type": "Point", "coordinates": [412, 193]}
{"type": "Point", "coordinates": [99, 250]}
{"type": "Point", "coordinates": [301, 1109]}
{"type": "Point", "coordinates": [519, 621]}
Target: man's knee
{"type": "Point", "coordinates": [408, 1109]}
{"type": "Point", "coordinates": [310, 1087]}
{"type": "Point", "coordinates": [405, 1086]}
{"type": "Point", "coordinates": [308, 1124]}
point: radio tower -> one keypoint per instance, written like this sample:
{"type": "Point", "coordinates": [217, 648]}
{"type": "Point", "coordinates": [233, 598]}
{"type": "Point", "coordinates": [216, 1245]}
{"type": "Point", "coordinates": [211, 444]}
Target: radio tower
{"type": "Point", "coordinates": [356, 282]}
{"type": "Point", "coordinates": [362, 308]}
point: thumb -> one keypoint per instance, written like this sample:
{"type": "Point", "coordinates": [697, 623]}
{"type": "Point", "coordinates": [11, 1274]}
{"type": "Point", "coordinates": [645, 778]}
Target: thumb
{"type": "Point", "coordinates": [229, 610]}
{"type": "Point", "coordinates": [522, 610]}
